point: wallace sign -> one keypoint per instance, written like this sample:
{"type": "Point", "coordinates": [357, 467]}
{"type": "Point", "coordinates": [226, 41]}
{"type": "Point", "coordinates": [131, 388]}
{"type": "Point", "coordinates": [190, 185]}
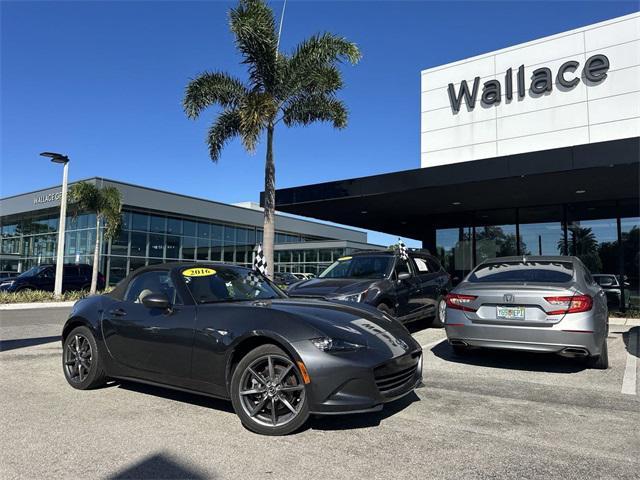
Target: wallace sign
{"type": "Point", "coordinates": [594, 72]}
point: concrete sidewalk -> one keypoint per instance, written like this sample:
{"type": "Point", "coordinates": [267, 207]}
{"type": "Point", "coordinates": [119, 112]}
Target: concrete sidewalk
{"type": "Point", "coordinates": [31, 306]}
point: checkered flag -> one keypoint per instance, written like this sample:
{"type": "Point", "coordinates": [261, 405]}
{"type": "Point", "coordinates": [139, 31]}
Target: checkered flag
{"type": "Point", "coordinates": [259, 262]}
{"type": "Point", "coordinates": [253, 279]}
{"type": "Point", "coordinates": [402, 250]}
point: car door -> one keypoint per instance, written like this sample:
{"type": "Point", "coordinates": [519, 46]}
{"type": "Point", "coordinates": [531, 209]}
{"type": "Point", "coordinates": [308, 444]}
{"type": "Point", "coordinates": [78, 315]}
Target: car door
{"type": "Point", "coordinates": [427, 277]}
{"type": "Point", "coordinates": [156, 344]}
{"type": "Point", "coordinates": [45, 279]}
{"type": "Point", "coordinates": [71, 278]}
{"type": "Point", "coordinates": [407, 290]}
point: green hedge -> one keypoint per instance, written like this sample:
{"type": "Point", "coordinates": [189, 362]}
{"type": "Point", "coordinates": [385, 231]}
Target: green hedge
{"type": "Point", "coordinates": [31, 296]}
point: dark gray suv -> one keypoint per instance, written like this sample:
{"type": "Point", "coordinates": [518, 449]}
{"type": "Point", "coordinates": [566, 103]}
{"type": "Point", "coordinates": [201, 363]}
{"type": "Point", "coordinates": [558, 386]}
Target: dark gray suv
{"type": "Point", "coordinates": [411, 289]}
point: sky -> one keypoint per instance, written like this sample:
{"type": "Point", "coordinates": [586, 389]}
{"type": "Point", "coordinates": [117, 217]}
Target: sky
{"type": "Point", "coordinates": [103, 81]}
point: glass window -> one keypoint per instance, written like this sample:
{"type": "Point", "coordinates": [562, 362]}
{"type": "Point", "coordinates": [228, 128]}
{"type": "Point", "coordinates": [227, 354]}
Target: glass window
{"type": "Point", "coordinates": [455, 250]}
{"type": "Point", "coordinates": [421, 265]}
{"type": "Point", "coordinates": [189, 228]}
{"type": "Point", "coordinates": [117, 269]}
{"type": "Point", "coordinates": [126, 220]}
{"type": "Point", "coordinates": [595, 242]}
{"type": "Point", "coordinates": [158, 224]}
{"type": "Point", "coordinates": [120, 244]}
{"type": "Point", "coordinates": [216, 235]}
{"type": "Point", "coordinates": [139, 221]}
{"type": "Point", "coordinates": [156, 246]}
{"type": "Point", "coordinates": [542, 239]}
{"type": "Point", "coordinates": [203, 230]}
{"type": "Point", "coordinates": [311, 255]}
{"type": "Point", "coordinates": [138, 244]}
{"type": "Point", "coordinates": [216, 254]}
{"type": "Point", "coordinates": [150, 282]}
{"type": "Point", "coordinates": [203, 249]}
{"type": "Point", "coordinates": [631, 250]}
{"type": "Point", "coordinates": [229, 284]}
{"type": "Point", "coordinates": [229, 235]}
{"type": "Point", "coordinates": [521, 272]}
{"type": "Point", "coordinates": [188, 248]}
{"type": "Point", "coordinates": [136, 263]}
{"type": "Point", "coordinates": [228, 254]}
{"type": "Point", "coordinates": [241, 236]}
{"type": "Point", "coordinates": [174, 225]}
{"type": "Point", "coordinates": [173, 246]}
{"type": "Point", "coordinates": [495, 241]}
{"type": "Point", "coordinates": [374, 266]}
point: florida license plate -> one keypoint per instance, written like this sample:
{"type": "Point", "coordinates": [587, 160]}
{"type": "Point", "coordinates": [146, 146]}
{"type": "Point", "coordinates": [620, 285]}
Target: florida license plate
{"type": "Point", "coordinates": [510, 313]}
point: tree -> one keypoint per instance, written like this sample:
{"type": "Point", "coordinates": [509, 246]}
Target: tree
{"type": "Point", "coordinates": [295, 89]}
{"type": "Point", "coordinates": [106, 204]}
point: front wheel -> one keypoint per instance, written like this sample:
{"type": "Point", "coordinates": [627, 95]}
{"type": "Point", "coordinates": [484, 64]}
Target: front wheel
{"type": "Point", "coordinates": [81, 360]}
{"type": "Point", "coordinates": [268, 393]}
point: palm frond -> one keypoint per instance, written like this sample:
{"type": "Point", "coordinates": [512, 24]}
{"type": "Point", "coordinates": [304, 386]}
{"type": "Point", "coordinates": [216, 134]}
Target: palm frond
{"type": "Point", "coordinates": [211, 88]}
{"type": "Point", "coordinates": [254, 28]}
{"type": "Point", "coordinates": [226, 127]}
{"type": "Point", "coordinates": [84, 197]}
{"type": "Point", "coordinates": [325, 48]}
{"type": "Point", "coordinates": [307, 109]}
{"type": "Point", "coordinates": [110, 210]}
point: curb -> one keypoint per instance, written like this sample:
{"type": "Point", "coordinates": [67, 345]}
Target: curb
{"type": "Point", "coordinates": [624, 321]}
{"type": "Point", "coordinates": [29, 306]}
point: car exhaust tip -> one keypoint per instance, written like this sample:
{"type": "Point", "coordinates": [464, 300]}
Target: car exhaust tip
{"type": "Point", "coordinates": [459, 343]}
{"type": "Point", "coordinates": [575, 352]}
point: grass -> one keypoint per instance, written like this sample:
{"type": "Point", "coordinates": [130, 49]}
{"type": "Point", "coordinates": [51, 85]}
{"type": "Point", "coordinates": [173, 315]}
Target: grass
{"type": "Point", "coordinates": [31, 296]}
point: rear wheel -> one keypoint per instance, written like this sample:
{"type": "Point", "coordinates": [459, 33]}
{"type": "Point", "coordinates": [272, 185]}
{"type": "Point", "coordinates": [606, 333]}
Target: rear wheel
{"type": "Point", "coordinates": [81, 360]}
{"type": "Point", "coordinates": [600, 362]}
{"type": "Point", "coordinates": [268, 393]}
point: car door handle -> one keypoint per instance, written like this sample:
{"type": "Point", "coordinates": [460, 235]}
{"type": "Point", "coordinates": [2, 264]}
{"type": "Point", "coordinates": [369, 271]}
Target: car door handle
{"type": "Point", "coordinates": [118, 312]}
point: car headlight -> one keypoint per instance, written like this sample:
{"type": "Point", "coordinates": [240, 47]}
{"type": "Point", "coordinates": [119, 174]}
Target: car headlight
{"type": "Point", "coordinates": [353, 297]}
{"type": "Point", "coordinates": [331, 345]}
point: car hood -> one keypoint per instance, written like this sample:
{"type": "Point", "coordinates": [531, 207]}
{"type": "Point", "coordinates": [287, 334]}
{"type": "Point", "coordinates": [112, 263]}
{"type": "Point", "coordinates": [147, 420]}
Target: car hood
{"type": "Point", "coordinates": [329, 287]}
{"type": "Point", "coordinates": [355, 323]}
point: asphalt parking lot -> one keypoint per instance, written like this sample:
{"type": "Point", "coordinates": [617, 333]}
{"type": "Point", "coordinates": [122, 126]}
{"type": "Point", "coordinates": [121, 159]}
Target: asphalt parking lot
{"type": "Point", "coordinates": [486, 415]}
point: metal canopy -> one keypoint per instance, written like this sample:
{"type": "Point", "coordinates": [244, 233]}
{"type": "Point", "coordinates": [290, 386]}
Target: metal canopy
{"type": "Point", "coordinates": [410, 202]}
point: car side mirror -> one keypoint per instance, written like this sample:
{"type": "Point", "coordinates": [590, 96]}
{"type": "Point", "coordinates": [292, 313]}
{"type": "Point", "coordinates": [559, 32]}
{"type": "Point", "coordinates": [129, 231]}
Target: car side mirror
{"type": "Point", "coordinates": [404, 276]}
{"type": "Point", "coordinates": [156, 300]}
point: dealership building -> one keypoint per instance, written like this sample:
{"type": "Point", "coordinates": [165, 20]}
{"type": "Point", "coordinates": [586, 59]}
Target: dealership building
{"type": "Point", "coordinates": [529, 150]}
{"type": "Point", "coordinates": [160, 226]}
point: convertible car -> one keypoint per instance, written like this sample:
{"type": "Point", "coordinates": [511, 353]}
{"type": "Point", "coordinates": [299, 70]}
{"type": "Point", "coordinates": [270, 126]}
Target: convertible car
{"type": "Point", "coordinates": [227, 332]}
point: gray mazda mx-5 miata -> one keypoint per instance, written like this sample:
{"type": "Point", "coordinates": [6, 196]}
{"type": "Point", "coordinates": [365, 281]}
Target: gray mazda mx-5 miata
{"type": "Point", "coordinates": [225, 331]}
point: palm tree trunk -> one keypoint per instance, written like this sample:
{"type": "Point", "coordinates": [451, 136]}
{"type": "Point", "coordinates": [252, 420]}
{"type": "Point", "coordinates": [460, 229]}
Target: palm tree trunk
{"type": "Point", "coordinates": [269, 203]}
{"type": "Point", "coordinates": [96, 259]}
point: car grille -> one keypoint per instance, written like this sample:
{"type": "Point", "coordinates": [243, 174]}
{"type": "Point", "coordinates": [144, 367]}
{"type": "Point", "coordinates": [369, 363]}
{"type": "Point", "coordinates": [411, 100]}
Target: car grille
{"type": "Point", "coordinates": [400, 373]}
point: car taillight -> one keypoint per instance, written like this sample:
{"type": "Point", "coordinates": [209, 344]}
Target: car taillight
{"type": "Point", "coordinates": [460, 302]}
{"type": "Point", "coordinates": [574, 304]}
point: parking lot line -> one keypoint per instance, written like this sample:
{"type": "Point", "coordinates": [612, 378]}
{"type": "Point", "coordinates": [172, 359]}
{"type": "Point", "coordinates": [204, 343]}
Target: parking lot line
{"type": "Point", "coordinates": [630, 370]}
{"type": "Point", "coordinates": [430, 345]}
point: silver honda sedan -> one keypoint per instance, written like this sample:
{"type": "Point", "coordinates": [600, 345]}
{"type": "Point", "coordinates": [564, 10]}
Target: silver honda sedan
{"type": "Point", "coordinates": [539, 304]}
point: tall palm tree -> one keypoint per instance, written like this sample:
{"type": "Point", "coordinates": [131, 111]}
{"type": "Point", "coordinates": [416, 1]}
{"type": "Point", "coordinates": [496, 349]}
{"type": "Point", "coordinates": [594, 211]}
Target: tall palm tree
{"type": "Point", "coordinates": [106, 203]}
{"type": "Point", "coordinates": [295, 89]}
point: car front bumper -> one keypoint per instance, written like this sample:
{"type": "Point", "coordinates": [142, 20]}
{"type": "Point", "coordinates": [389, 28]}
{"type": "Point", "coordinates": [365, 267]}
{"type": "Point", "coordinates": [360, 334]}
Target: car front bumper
{"type": "Point", "coordinates": [357, 382]}
{"type": "Point", "coordinates": [575, 331]}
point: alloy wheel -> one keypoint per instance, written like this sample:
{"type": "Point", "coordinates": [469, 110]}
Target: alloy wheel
{"type": "Point", "coordinates": [442, 310]}
{"type": "Point", "coordinates": [271, 391]}
{"type": "Point", "coordinates": [77, 358]}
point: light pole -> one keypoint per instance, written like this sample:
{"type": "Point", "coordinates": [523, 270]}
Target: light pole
{"type": "Point", "coordinates": [63, 159]}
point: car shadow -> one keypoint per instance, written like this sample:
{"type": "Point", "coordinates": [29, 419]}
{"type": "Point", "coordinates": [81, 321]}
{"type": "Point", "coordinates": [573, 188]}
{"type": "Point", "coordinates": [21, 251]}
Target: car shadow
{"type": "Point", "coordinates": [6, 345]}
{"type": "Point", "coordinates": [511, 360]}
{"type": "Point", "coordinates": [160, 466]}
{"type": "Point", "coordinates": [360, 420]}
{"type": "Point", "coordinates": [632, 345]}
{"type": "Point", "coordinates": [419, 325]}
{"type": "Point", "coordinates": [176, 395]}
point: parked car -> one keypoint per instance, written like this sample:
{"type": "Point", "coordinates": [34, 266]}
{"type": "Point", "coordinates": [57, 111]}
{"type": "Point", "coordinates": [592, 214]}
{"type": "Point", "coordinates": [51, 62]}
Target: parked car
{"type": "Point", "coordinates": [42, 277]}
{"type": "Point", "coordinates": [409, 290]}
{"type": "Point", "coordinates": [222, 331]}
{"type": "Point", "coordinates": [284, 279]}
{"type": "Point", "coordinates": [539, 304]}
{"type": "Point", "coordinates": [611, 284]}
{"type": "Point", "coordinates": [303, 276]}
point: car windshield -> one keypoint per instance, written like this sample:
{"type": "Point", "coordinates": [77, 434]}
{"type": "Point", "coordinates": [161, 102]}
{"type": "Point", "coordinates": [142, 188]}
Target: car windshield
{"type": "Point", "coordinates": [374, 266]}
{"type": "Point", "coordinates": [227, 284]}
{"type": "Point", "coordinates": [33, 271]}
{"type": "Point", "coordinates": [523, 272]}
{"type": "Point", "coordinates": [605, 280]}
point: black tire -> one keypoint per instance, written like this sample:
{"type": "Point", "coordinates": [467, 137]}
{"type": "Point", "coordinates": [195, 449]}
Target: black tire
{"type": "Point", "coordinates": [384, 308]}
{"type": "Point", "coordinates": [460, 350]}
{"type": "Point", "coordinates": [81, 362]}
{"type": "Point", "coordinates": [600, 362]}
{"type": "Point", "coordinates": [439, 318]}
{"type": "Point", "coordinates": [268, 393]}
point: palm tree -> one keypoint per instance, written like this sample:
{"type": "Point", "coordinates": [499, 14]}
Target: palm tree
{"type": "Point", "coordinates": [106, 203]}
{"type": "Point", "coordinates": [295, 89]}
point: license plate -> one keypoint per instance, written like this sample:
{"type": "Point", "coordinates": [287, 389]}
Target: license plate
{"type": "Point", "coordinates": [510, 313]}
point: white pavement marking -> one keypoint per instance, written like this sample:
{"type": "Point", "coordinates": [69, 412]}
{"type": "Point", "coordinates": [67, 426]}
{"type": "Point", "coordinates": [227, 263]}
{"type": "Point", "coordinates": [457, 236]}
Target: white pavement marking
{"type": "Point", "coordinates": [429, 346]}
{"type": "Point", "coordinates": [630, 370]}
{"type": "Point", "coordinates": [29, 306]}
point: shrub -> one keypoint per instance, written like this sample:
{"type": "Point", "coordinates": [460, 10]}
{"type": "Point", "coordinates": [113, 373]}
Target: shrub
{"type": "Point", "coordinates": [31, 296]}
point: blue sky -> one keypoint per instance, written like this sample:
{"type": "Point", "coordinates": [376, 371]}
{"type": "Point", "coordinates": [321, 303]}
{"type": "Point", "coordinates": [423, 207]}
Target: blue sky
{"type": "Point", "coordinates": [103, 83]}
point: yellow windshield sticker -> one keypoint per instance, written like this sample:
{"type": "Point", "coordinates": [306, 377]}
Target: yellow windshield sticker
{"type": "Point", "coordinates": [198, 272]}
{"type": "Point", "coordinates": [344, 259]}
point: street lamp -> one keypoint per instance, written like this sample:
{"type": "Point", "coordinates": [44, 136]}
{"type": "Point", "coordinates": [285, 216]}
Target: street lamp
{"type": "Point", "coordinates": [63, 159]}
